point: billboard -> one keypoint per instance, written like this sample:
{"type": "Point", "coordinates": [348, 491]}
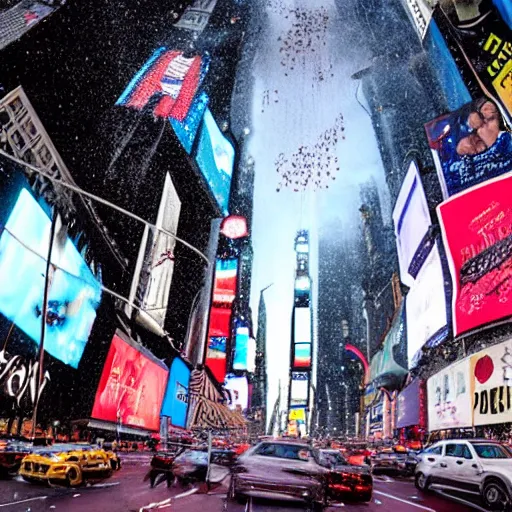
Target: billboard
{"type": "Point", "coordinates": [226, 272]}
{"type": "Point", "coordinates": [152, 283]}
{"type": "Point", "coordinates": [168, 83]}
{"type": "Point", "coordinates": [302, 325]}
{"type": "Point", "coordinates": [238, 391]}
{"type": "Point", "coordinates": [196, 16]}
{"type": "Point", "coordinates": [132, 386]}
{"type": "Point", "coordinates": [409, 405]}
{"type": "Point", "coordinates": [425, 306]}
{"type": "Point", "coordinates": [481, 43]}
{"type": "Point", "coordinates": [175, 404]}
{"type": "Point", "coordinates": [420, 12]}
{"type": "Point", "coordinates": [241, 358]}
{"type": "Point", "coordinates": [74, 292]}
{"type": "Point", "coordinates": [449, 398]}
{"type": "Point", "coordinates": [215, 158]}
{"type": "Point", "coordinates": [469, 146]}
{"type": "Point", "coordinates": [302, 355]}
{"type": "Point", "coordinates": [299, 388]}
{"type": "Point", "coordinates": [186, 130]}
{"type": "Point", "coordinates": [491, 384]}
{"type": "Point", "coordinates": [477, 234]}
{"type": "Point", "coordinates": [411, 218]}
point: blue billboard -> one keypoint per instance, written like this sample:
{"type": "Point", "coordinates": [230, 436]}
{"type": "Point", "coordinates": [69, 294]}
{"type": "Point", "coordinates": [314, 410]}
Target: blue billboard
{"type": "Point", "coordinates": [241, 348]}
{"type": "Point", "coordinates": [175, 404]}
{"type": "Point", "coordinates": [215, 158]}
{"type": "Point", "coordinates": [186, 130]}
{"type": "Point", "coordinates": [74, 292]}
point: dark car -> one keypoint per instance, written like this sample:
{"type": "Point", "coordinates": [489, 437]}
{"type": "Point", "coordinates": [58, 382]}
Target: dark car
{"type": "Point", "coordinates": [390, 460]}
{"type": "Point", "coordinates": [12, 453]}
{"type": "Point", "coordinates": [345, 481]}
{"type": "Point", "coordinates": [281, 470]}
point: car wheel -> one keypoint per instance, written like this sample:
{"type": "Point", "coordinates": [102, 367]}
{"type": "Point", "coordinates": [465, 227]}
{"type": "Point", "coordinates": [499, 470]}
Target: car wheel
{"type": "Point", "coordinates": [495, 496]}
{"type": "Point", "coordinates": [113, 464]}
{"type": "Point", "coordinates": [421, 482]}
{"type": "Point", "coordinates": [73, 477]}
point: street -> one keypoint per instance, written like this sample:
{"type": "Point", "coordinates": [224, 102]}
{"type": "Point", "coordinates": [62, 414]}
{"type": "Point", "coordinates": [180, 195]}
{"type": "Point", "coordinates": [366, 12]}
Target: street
{"type": "Point", "coordinates": [127, 491]}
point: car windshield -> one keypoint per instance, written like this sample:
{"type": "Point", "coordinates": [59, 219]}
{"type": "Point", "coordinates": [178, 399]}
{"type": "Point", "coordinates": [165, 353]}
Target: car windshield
{"type": "Point", "coordinates": [332, 459]}
{"type": "Point", "coordinates": [283, 451]}
{"type": "Point", "coordinates": [492, 451]}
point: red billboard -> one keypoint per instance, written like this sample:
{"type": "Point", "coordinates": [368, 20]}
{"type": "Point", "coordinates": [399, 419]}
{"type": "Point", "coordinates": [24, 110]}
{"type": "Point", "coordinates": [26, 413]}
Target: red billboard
{"type": "Point", "coordinates": [477, 233]}
{"type": "Point", "coordinates": [131, 388]}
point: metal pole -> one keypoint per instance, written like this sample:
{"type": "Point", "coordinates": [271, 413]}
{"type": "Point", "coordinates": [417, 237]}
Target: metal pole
{"type": "Point", "coordinates": [209, 458]}
{"type": "Point", "coordinates": [43, 319]}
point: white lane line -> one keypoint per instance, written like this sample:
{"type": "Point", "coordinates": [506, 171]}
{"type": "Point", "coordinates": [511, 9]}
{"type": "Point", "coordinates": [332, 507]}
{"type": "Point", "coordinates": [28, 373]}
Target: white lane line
{"type": "Point", "coordinates": [23, 501]}
{"type": "Point", "coordinates": [168, 501]}
{"type": "Point", "coordinates": [404, 501]}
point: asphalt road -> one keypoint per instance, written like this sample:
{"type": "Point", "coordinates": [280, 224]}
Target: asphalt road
{"type": "Point", "coordinates": [126, 491]}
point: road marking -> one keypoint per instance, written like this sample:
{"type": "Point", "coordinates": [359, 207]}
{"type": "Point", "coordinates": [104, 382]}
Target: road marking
{"type": "Point", "coordinates": [168, 501]}
{"type": "Point", "coordinates": [23, 501]}
{"type": "Point", "coordinates": [404, 501]}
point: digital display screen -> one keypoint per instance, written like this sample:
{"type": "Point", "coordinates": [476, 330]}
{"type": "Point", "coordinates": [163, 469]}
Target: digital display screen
{"type": "Point", "coordinates": [297, 414]}
{"type": "Point", "coordinates": [302, 283]}
{"type": "Point", "coordinates": [131, 388]}
{"type": "Point", "coordinates": [476, 226]}
{"type": "Point", "coordinates": [175, 404]}
{"type": "Point", "coordinates": [226, 272]}
{"type": "Point", "coordinates": [425, 305]}
{"type": "Point", "coordinates": [411, 218]}
{"type": "Point", "coordinates": [238, 391]}
{"type": "Point", "coordinates": [302, 324]}
{"type": "Point", "coordinates": [241, 349]}
{"type": "Point", "coordinates": [299, 389]}
{"type": "Point", "coordinates": [302, 247]}
{"type": "Point", "coordinates": [74, 292]}
{"type": "Point", "coordinates": [215, 158]}
{"type": "Point", "coordinates": [302, 355]}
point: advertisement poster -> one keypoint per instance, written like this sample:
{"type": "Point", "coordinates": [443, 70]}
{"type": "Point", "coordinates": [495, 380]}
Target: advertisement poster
{"type": "Point", "coordinates": [131, 388]}
{"type": "Point", "coordinates": [409, 405]}
{"type": "Point", "coordinates": [215, 158]}
{"type": "Point", "coordinates": [481, 43]}
{"type": "Point", "coordinates": [175, 404]}
{"type": "Point", "coordinates": [411, 219]}
{"type": "Point", "coordinates": [491, 379]}
{"type": "Point", "coordinates": [299, 388]}
{"type": "Point", "coordinates": [238, 392]}
{"type": "Point", "coordinates": [477, 234]}
{"type": "Point", "coordinates": [168, 82]}
{"type": "Point", "coordinates": [241, 349]}
{"type": "Point", "coordinates": [420, 12]}
{"type": "Point", "coordinates": [74, 292]}
{"type": "Point", "coordinates": [469, 146]}
{"type": "Point", "coordinates": [449, 398]}
{"type": "Point", "coordinates": [302, 355]}
{"type": "Point", "coordinates": [425, 306]}
{"type": "Point", "coordinates": [226, 272]}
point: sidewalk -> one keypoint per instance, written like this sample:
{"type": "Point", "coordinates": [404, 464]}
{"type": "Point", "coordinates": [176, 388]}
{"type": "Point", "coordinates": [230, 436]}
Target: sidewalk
{"type": "Point", "coordinates": [17, 20]}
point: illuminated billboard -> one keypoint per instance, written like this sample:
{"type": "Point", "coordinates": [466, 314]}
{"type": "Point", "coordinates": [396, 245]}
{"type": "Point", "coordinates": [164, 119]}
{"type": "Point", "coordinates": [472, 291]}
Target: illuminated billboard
{"type": "Point", "coordinates": [225, 281]}
{"type": "Point", "coordinates": [175, 404]}
{"type": "Point", "coordinates": [469, 146]}
{"type": "Point", "coordinates": [238, 391]}
{"type": "Point", "coordinates": [241, 349]}
{"type": "Point", "coordinates": [74, 292]}
{"type": "Point", "coordinates": [302, 283]}
{"type": "Point", "coordinates": [215, 158]}
{"type": "Point", "coordinates": [302, 355]}
{"type": "Point", "coordinates": [425, 306]}
{"type": "Point", "coordinates": [132, 386]}
{"type": "Point", "coordinates": [299, 388]}
{"type": "Point", "coordinates": [477, 234]}
{"type": "Point", "coordinates": [169, 78]}
{"type": "Point", "coordinates": [195, 17]}
{"type": "Point", "coordinates": [302, 325]}
{"type": "Point", "coordinates": [411, 218]}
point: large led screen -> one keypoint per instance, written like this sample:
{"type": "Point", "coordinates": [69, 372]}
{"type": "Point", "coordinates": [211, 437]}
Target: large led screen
{"type": "Point", "coordinates": [449, 398]}
{"type": "Point", "coordinates": [302, 355]}
{"type": "Point", "coordinates": [225, 281]}
{"type": "Point", "coordinates": [238, 391]}
{"type": "Point", "coordinates": [299, 387]}
{"type": "Point", "coordinates": [175, 404]}
{"type": "Point", "coordinates": [74, 292]}
{"type": "Point", "coordinates": [168, 78]}
{"type": "Point", "coordinates": [241, 349]}
{"type": "Point", "coordinates": [425, 305]}
{"type": "Point", "coordinates": [131, 387]}
{"type": "Point", "coordinates": [477, 233]}
{"type": "Point", "coordinates": [411, 218]}
{"type": "Point", "coordinates": [302, 325]}
{"type": "Point", "coordinates": [215, 158]}
{"type": "Point", "coordinates": [470, 146]}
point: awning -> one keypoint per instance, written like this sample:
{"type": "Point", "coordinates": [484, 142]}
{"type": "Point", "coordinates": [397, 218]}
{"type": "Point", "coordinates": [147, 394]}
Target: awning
{"type": "Point", "coordinates": [112, 427]}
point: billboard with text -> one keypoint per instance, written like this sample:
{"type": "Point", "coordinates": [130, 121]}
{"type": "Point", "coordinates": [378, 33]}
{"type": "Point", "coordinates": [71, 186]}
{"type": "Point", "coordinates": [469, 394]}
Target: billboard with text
{"type": "Point", "coordinates": [175, 404]}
